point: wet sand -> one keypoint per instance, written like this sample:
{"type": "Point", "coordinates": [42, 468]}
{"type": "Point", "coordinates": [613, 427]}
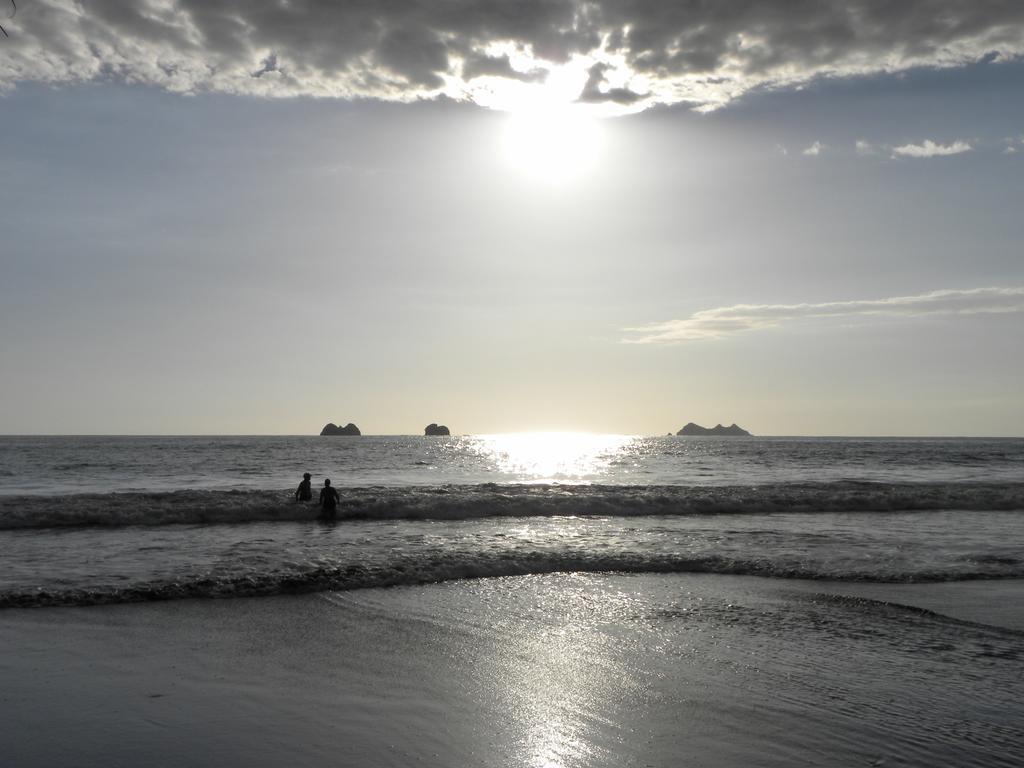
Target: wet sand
{"type": "Point", "coordinates": [998, 603]}
{"type": "Point", "coordinates": [560, 670]}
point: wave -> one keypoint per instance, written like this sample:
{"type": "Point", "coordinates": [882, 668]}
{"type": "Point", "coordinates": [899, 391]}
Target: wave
{"type": "Point", "coordinates": [437, 569]}
{"type": "Point", "coordinates": [453, 502]}
{"type": "Point", "coordinates": [874, 605]}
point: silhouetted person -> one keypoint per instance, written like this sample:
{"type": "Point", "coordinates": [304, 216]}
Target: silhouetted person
{"type": "Point", "coordinates": [328, 502]}
{"type": "Point", "coordinates": [305, 491]}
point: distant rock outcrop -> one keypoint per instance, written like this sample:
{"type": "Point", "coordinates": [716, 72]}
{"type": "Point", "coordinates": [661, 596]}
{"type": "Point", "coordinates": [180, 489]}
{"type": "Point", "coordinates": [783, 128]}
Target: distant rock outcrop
{"type": "Point", "coordinates": [436, 429]}
{"type": "Point", "coordinates": [334, 429]}
{"type": "Point", "coordinates": [733, 430]}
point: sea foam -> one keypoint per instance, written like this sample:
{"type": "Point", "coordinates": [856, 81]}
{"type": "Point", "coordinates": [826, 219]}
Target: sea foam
{"type": "Point", "coordinates": [454, 502]}
{"type": "Point", "coordinates": [462, 565]}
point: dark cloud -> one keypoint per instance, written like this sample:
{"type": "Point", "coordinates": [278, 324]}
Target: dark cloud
{"type": "Point", "coordinates": [593, 92]}
{"type": "Point", "coordinates": [693, 51]}
{"type": "Point", "coordinates": [499, 66]}
{"type": "Point", "coordinates": [415, 53]}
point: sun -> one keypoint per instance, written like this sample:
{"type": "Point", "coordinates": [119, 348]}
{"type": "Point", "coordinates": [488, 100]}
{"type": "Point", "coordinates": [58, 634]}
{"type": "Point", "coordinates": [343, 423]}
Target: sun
{"type": "Point", "coordinates": [550, 135]}
{"type": "Point", "coordinates": [552, 143]}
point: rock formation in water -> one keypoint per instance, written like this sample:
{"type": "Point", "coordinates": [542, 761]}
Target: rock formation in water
{"type": "Point", "coordinates": [334, 429]}
{"type": "Point", "coordinates": [436, 429]}
{"type": "Point", "coordinates": [733, 430]}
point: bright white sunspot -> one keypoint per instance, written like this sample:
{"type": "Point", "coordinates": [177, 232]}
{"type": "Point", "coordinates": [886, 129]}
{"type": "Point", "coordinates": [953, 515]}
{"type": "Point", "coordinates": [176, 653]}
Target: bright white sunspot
{"type": "Point", "coordinates": [549, 457]}
{"type": "Point", "coordinates": [554, 144]}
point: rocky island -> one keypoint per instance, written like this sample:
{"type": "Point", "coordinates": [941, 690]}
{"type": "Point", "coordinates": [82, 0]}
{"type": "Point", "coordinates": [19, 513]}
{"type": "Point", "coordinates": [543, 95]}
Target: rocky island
{"type": "Point", "coordinates": [436, 429]}
{"type": "Point", "coordinates": [733, 430]}
{"type": "Point", "coordinates": [334, 429]}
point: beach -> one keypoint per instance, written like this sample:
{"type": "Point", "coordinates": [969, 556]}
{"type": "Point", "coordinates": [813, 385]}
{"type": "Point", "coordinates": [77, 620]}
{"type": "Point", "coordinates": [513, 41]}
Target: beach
{"type": "Point", "coordinates": [551, 602]}
{"type": "Point", "coordinates": [563, 384]}
{"type": "Point", "coordinates": [556, 670]}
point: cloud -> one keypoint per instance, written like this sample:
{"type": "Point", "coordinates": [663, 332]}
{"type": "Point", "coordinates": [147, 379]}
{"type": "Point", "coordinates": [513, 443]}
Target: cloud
{"type": "Point", "coordinates": [593, 92]}
{"type": "Point", "coordinates": [724, 321]}
{"type": "Point", "coordinates": [814, 150]}
{"type": "Point", "coordinates": [498, 66]}
{"type": "Point", "coordinates": [688, 52]}
{"type": "Point", "coordinates": [1011, 143]}
{"type": "Point", "coordinates": [929, 148]}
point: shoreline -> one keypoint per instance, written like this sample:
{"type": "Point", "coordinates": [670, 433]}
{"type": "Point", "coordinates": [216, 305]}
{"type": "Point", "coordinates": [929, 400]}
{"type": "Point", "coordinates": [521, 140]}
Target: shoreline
{"type": "Point", "coordinates": [571, 670]}
{"type": "Point", "coordinates": [986, 602]}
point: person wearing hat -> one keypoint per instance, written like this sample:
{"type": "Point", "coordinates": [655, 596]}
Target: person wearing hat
{"type": "Point", "coordinates": [304, 492]}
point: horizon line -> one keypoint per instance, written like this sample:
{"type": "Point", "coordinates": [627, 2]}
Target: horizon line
{"type": "Point", "coordinates": [524, 432]}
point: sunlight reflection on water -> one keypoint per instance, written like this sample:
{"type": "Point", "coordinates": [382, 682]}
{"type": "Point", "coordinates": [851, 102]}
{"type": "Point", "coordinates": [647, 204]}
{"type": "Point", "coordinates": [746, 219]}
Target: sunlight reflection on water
{"type": "Point", "coordinates": [543, 457]}
{"type": "Point", "coordinates": [557, 675]}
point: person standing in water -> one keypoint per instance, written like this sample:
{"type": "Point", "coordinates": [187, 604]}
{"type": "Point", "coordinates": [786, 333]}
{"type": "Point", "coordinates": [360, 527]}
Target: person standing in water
{"type": "Point", "coordinates": [328, 502]}
{"type": "Point", "coordinates": [304, 492]}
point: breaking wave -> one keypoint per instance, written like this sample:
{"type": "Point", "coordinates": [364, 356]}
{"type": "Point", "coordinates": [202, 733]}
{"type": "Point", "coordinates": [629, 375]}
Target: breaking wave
{"type": "Point", "coordinates": [456, 502]}
{"type": "Point", "coordinates": [429, 570]}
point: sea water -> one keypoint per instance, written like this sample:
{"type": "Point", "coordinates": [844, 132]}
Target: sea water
{"type": "Point", "coordinates": [69, 465]}
{"type": "Point", "coordinates": [541, 600]}
{"type": "Point", "coordinates": [117, 519]}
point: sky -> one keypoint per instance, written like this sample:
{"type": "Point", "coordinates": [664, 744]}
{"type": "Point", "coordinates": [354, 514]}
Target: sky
{"type": "Point", "coordinates": [802, 217]}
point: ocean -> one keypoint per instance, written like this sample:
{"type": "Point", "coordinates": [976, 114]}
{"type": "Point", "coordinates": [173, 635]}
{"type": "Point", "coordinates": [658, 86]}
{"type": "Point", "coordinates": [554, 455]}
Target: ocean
{"type": "Point", "coordinates": [546, 600]}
